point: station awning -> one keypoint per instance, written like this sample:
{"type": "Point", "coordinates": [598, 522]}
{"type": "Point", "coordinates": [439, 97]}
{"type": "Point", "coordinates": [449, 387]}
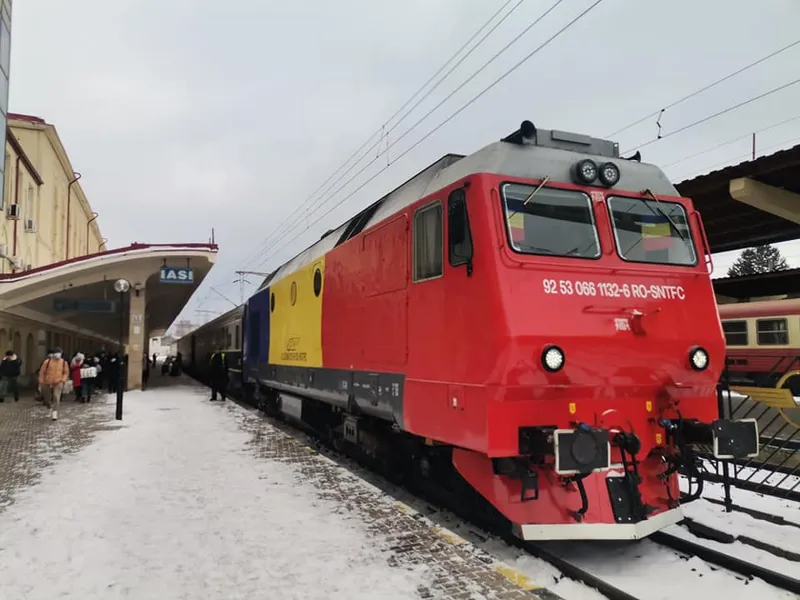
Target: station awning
{"type": "Point", "coordinates": [754, 202]}
{"type": "Point", "coordinates": [78, 295]}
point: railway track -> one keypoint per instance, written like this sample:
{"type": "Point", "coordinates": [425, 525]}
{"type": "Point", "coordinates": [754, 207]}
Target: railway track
{"type": "Point", "coordinates": [727, 561]}
{"type": "Point", "coordinates": [567, 568]}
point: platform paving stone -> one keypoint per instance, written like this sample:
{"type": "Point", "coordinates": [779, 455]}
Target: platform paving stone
{"type": "Point", "coordinates": [30, 441]}
{"type": "Point", "coordinates": [460, 570]}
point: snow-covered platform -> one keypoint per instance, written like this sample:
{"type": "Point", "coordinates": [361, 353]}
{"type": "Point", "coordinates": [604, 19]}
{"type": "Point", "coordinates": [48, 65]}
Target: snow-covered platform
{"type": "Point", "coordinates": [188, 499]}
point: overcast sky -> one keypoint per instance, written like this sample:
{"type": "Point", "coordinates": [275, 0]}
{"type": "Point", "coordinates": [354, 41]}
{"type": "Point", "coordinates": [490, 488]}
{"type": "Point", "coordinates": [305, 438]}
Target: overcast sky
{"type": "Point", "coordinates": [188, 115]}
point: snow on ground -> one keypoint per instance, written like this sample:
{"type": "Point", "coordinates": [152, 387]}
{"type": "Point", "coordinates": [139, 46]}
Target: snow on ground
{"type": "Point", "coordinates": [648, 571]}
{"type": "Point", "coordinates": [738, 523]}
{"type": "Point", "coordinates": [173, 505]}
{"type": "Point", "coordinates": [781, 507]}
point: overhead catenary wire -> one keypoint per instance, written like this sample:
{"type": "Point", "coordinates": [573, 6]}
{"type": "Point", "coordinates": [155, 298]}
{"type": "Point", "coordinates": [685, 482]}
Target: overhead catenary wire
{"type": "Point", "coordinates": [448, 119]}
{"type": "Point", "coordinates": [296, 222]}
{"type": "Point", "coordinates": [381, 132]}
{"type": "Point", "coordinates": [731, 141]}
{"type": "Point", "coordinates": [705, 88]}
{"type": "Point", "coordinates": [728, 162]}
{"type": "Point", "coordinates": [714, 116]}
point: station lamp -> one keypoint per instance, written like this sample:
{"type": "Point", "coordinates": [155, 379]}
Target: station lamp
{"type": "Point", "coordinates": [121, 286]}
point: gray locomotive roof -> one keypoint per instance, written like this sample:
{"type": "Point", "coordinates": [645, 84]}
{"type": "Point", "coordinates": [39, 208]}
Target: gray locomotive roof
{"type": "Point", "coordinates": [553, 154]}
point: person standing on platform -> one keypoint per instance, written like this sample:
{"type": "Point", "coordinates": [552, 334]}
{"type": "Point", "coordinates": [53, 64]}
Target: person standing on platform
{"type": "Point", "coordinates": [218, 373]}
{"type": "Point", "coordinates": [10, 370]}
{"type": "Point", "coordinates": [146, 370]}
{"type": "Point", "coordinates": [53, 374]}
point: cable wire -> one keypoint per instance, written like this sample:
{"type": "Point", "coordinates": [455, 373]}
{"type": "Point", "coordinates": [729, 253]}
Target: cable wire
{"type": "Point", "coordinates": [722, 145]}
{"type": "Point", "coordinates": [475, 98]}
{"type": "Point", "coordinates": [703, 89]}
{"type": "Point", "coordinates": [447, 120]}
{"type": "Point", "coordinates": [381, 132]}
{"type": "Point", "coordinates": [715, 115]}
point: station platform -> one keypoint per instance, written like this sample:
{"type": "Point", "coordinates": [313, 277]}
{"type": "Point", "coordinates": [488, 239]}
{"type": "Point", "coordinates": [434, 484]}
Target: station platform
{"type": "Point", "coordinates": [186, 498]}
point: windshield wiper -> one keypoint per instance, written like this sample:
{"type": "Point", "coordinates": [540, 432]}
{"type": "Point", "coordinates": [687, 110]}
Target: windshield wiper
{"type": "Point", "coordinates": [663, 214]}
{"type": "Point", "coordinates": [658, 212]}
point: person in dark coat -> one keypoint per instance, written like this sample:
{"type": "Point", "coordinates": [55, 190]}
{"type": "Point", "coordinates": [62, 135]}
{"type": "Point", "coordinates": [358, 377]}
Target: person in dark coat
{"type": "Point", "coordinates": [145, 370]}
{"type": "Point", "coordinates": [218, 374]}
{"type": "Point", "coordinates": [10, 370]}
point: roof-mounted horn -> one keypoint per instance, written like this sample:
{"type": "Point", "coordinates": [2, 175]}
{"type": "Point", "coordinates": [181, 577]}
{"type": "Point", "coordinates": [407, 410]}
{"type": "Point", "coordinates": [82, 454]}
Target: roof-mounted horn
{"type": "Point", "coordinates": [526, 134]}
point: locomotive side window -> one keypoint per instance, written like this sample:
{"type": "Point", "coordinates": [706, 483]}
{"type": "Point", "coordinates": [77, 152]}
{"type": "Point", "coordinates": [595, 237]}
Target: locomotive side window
{"type": "Point", "coordinates": [428, 242]}
{"type": "Point", "coordinates": [550, 221]}
{"type": "Point", "coordinates": [652, 232]}
{"type": "Point", "coordinates": [735, 333]}
{"type": "Point", "coordinates": [772, 332]}
{"type": "Point", "coordinates": [459, 237]}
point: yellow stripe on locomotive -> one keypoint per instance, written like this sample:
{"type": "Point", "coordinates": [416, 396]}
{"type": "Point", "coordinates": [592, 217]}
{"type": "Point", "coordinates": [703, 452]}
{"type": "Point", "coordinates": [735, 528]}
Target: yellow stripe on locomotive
{"type": "Point", "coordinates": [296, 322]}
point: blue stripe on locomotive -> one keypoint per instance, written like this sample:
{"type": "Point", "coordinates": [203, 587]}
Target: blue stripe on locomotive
{"type": "Point", "coordinates": [256, 333]}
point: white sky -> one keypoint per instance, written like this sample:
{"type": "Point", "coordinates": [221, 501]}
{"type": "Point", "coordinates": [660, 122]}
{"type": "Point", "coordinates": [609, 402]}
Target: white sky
{"type": "Point", "coordinates": [183, 116]}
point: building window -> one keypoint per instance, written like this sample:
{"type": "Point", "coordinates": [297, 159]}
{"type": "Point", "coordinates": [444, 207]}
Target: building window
{"type": "Point", "coordinates": [428, 243]}
{"type": "Point", "coordinates": [30, 203]}
{"type": "Point", "coordinates": [772, 332]}
{"type": "Point", "coordinates": [735, 333]}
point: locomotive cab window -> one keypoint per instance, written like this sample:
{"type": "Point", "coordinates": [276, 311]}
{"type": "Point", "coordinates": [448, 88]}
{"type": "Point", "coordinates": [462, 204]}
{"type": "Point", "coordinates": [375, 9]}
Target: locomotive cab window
{"type": "Point", "coordinates": [735, 333]}
{"type": "Point", "coordinates": [550, 221]}
{"type": "Point", "coordinates": [772, 332]}
{"type": "Point", "coordinates": [459, 237]}
{"type": "Point", "coordinates": [647, 231]}
{"type": "Point", "coordinates": [428, 243]}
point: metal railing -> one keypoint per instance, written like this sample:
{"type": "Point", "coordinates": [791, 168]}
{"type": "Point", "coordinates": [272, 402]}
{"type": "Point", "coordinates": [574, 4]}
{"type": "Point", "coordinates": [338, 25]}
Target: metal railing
{"type": "Point", "coordinates": [776, 469]}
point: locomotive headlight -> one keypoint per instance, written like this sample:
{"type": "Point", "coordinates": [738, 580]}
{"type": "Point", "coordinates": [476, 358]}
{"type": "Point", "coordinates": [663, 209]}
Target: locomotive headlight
{"type": "Point", "coordinates": [585, 171]}
{"type": "Point", "coordinates": [698, 358]}
{"type": "Point", "coordinates": [609, 174]}
{"type": "Point", "coordinates": [553, 358]}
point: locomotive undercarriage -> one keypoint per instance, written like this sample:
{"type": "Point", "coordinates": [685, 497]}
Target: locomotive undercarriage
{"type": "Point", "coordinates": [428, 469]}
{"type": "Point", "coordinates": [424, 468]}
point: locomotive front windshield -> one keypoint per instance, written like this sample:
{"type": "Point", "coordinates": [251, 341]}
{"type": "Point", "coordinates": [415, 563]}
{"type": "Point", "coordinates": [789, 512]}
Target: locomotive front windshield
{"type": "Point", "coordinates": [652, 232]}
{"type": "Point", "coordinates": [550, 221]}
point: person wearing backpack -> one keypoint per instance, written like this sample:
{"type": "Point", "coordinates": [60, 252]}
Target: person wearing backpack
{"type": "Point", "coordinates": [10, 370]}
{"type": "Point", "coordinates": [53, 374]}
{"type": "Point", "coordinates": [218, 374]}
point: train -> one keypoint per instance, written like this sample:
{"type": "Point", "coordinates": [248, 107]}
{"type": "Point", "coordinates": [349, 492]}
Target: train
{"type": "Point", "coordinates": [763, 339]}
{"type": "Point", "coordinates": [530, 329]}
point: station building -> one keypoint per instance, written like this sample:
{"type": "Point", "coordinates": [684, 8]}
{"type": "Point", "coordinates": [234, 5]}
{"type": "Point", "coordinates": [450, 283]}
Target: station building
{"type": "Point", "coordinates": [57, 276]}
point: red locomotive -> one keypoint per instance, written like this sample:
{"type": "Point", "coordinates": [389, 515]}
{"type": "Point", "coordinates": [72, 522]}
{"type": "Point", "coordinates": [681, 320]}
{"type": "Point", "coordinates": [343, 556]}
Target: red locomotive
{"type": "Point", "coordinates": [534, 322]}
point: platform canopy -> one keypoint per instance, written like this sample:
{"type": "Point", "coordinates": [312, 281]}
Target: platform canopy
{"type": "Point", "coordinates": [78, 295]}
{"type": "Point", "coordinates": [754, 202]}
{"type": "Point", "coordinates": [759, 285]}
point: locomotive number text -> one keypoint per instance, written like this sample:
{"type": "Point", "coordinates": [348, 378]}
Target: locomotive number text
{"type": "Point", "coordinates": [640, 291]}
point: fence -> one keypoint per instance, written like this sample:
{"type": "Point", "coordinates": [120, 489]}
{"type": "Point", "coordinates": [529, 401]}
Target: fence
{"type": "Point", "coordinates": [776, 469]}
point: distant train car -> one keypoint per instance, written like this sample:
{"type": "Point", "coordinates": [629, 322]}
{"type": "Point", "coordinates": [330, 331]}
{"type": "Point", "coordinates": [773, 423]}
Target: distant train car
{"type": "Point", "coordinates": [532, 328]}
{"type": "Point", "coordinates": [763, 342]}
{"type": "Point", "coordinates": [223, 332]}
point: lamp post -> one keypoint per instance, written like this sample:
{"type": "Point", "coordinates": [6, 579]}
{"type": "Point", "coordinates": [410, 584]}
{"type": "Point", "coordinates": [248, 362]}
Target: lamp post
{"type": "Point", "coordinates": [121, 286]}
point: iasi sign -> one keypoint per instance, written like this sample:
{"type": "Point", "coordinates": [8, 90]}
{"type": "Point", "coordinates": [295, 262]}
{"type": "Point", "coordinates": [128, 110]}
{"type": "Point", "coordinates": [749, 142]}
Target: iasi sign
{"type": "Point", "coordinates": [176, 275]}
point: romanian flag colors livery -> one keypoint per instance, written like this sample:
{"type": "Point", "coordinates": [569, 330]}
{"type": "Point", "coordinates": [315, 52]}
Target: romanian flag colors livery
{"type": "Point", "coordinates": [296, 317]}
{"type": "Point", "coordinates": [531, 323]}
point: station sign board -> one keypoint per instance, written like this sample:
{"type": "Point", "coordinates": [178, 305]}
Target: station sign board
{"type": "Point", "coordinates": [176, 275]}
{"type": "Point", "coordinates": [61, 305]}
